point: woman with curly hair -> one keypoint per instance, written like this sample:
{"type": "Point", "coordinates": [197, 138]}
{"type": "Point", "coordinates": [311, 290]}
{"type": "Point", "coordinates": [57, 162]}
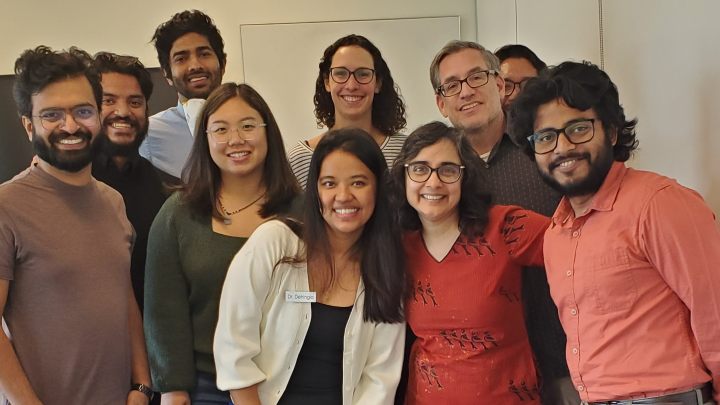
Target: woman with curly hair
{"type": "Point", "coordinates": [354, 89]}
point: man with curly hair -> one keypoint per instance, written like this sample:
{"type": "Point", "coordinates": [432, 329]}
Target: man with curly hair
{"type": "Point", "coordinates": [632, 256]}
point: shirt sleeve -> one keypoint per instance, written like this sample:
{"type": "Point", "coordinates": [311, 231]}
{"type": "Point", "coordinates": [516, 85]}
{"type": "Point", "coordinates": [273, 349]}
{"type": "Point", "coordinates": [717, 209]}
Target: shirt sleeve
{"type": "Point", "coordinates": [523, 233]}
{"type": "Point", "coordinates": [247, 285]}
{"type": "Point", "coordinates": [381, 375]}
{"type": "Point", "coordinates": [8, 250]}
{"type": "Point", "coordinates": [682, 241]}
{"type": "Point", "coordinates": [167, 320]}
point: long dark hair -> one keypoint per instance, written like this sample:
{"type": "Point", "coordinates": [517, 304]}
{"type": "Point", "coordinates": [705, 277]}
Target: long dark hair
{"type": "Point", "coordinates": [388, 109]}
{"type": "Point", "coordinates": [474, 202]}
{"type": "Point", "coordinates": [202, 176]}
{"type": "Point", "coordinates": [379, 248]}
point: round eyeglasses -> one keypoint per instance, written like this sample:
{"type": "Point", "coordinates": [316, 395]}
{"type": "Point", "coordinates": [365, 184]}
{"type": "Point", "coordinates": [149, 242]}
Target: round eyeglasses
{"type": "Point", "coordinates": [52, 118]}
{"type": "Point", "coordinates": [576, 132]}
{"type": "Point", "coordinates": [341, 75]}
{"type": "Point", "coordinates": [454, 87]}
{"type": "Point", "coordinates": [420, 172]}
{"type": "Point", "coordinates": [246, 129]}
{"type": "Point", "coordinates": [511, 85]}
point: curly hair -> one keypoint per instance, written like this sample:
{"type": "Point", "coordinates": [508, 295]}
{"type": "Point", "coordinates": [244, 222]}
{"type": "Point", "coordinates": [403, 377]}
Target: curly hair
{"type": "Point", "coordinates": [37, 68]}
{"type": "Point", "coordinates": [183, 23]}
{"type": "Point", "coordinates": [107, 62]}
{"type": "Point", "coordinates": [388, 109]}
{"type": "Point", "coordinates": [581, 86]}
{"type": "Point", "coordinates": [474, 202]}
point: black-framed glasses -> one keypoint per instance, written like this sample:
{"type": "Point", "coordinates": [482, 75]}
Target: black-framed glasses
{"type": "Point", "coordinates": [341, 75]}
{"type": "Point", "coordinates": [246, 129]}
{"type": "Point", "coordinates": [577, 132]}
{"type": "Point", "coordinates": [84, 115]}
{"type": "Point", "coordinates": [454, 87]}
{"type": "Point", "coordinates": [511, 85]}
{"type": "Point", "coordinates": [420, 172]}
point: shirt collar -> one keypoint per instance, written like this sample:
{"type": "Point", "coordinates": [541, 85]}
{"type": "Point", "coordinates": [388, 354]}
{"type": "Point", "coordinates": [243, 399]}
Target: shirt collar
{"type": "Point", "coordinates": [603, 200]}
{"type": "Point", "coordinates": [106, 161]}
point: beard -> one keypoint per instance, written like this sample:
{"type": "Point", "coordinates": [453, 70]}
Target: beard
{"type": "Point", "coordinates": [111, 149]}
{"type": "Point", "coordinates": [591, 183]}
{"type": "Point", "coordinates": [188, 92]}
{"type": "Point", "coordinates": [66, 160]}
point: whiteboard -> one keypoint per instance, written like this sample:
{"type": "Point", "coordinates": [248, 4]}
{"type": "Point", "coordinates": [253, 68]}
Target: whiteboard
{"type": "Point", "coordinates": [281, 62]}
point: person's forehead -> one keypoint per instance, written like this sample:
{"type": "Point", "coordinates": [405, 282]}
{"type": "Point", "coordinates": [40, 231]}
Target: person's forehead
{"type": "Point", "coordinates": [66, 93]}
{"type": "Point", "coordinates": [351, 55]}
{"type": "Point", "coordinates": [120, 84]}
{"type": "Point", "coordinates": [517, 67]}
{"type": "Point", "coordinates": [190, 42]}
{"type": "Point", "coordinates": [462, 62]}
{"type": "Point", "coordinates": [555, 114]}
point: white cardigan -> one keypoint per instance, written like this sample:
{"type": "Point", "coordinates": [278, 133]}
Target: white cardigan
{"type": "Point", "coordinates": [259, 335]}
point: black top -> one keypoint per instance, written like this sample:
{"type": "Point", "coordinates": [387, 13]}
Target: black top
{"type": "Point", "coordinates": [143, 191]}
{"type": "Point", "coordinates": [318, 375]}
{"type": "Point", "coordinates": [513, 179]}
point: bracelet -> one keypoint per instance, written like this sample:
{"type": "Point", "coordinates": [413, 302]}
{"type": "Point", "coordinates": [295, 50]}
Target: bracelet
{"type": "Point", "coordinates": [143, 389]}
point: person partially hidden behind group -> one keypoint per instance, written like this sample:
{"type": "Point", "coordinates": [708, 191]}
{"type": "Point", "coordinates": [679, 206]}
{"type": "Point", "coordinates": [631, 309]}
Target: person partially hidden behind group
{"type": "Point", "coordinates": [464, 262]}
{"type": "Point", "coordinates": [312, 314]}
{"type": "Point", "coordinates": [237, 177]}
{"type": "Point", "coordinates": [354, 88]}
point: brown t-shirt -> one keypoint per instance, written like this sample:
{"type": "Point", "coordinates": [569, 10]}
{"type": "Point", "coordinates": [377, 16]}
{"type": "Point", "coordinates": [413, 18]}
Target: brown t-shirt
{"type": "Point", "coordinates": [66, 251]}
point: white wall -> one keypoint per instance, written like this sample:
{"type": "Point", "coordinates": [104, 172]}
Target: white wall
{"type": "Point", "coordinates": [127, 26]}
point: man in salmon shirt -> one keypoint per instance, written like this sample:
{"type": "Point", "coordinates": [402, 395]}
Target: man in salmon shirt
{"type": "Point", "coordinates": [633, 258]}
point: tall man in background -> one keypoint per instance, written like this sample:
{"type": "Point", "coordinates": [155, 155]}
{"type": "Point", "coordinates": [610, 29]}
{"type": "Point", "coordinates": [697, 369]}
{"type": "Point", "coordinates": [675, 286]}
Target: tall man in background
{"type": "Point", "coordinates": [192, 59]}
{"type": "Point", "coordinates": [633, 258]}
{"type": "Point", "coordinates": [469, 91]}
{"type": "Point", "coordinates": [518, 64]}
{"type": "Point", "coordinates": [127, 87]}
{"type": "Point", "coordinates": [76, 333]}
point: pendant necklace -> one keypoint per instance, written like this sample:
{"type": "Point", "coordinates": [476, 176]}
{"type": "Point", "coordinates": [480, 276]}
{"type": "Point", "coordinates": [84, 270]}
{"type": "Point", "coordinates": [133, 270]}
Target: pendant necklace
{"type": "Point", "coordinates": [227, 220]}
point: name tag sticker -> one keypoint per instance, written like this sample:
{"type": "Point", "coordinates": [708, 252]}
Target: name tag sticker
{"type": "Point", "coordinates": [295, 296]}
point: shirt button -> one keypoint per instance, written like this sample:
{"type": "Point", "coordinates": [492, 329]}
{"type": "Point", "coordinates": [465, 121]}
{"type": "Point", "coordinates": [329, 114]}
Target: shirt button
{"type": "Point", "coordinates": [581, 388]}
{"type": "Point", "coordinates": [573, 311]}
{"type": "Point", "coordinates": [575, 350]}
{"type": "Point", "coordinates": [348, 387]}
{"type": "Point", "coordinates": [306, 316]}
{"type": "Point", "coordinates": [348, 361]}
{"type": "Point", "coordinates": [569, 273]}
{"type": "Point", "coordinates": [278, 392]}
{"type": "Point", "coordinates": [575, 234]}
{"type": "Point", "coordinates": [297, 343]}
{"type": "Point", "coordinates": [349, 335]}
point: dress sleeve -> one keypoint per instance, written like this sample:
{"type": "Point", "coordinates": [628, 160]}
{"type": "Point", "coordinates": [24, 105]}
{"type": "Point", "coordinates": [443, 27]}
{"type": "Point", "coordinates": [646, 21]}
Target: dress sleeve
{"type": "Point", "coordinates": [523, 233]}
{"type": "Point", "coordinates": [167, 321]}
{"type": "Point", "coordinates": [681, 239]}
{"type": "Point", "coordinates": [247, 285]}
{"type": "Point", "coordinates": [383, 367]}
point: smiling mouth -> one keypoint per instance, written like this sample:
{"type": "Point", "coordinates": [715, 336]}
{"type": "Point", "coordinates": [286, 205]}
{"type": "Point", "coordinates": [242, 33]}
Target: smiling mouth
{"type": "Point", "coordinates": [121, 125]}
{"type": "Point", "coordinates": [238, 154]}
{"type": "Point", "coordinates": [67, 141]}
{"type": "Point", "coordinates": [432, 197]}
{"type": "Point", "coordinates": [198, 79]}
{"type": "Point", "coordinates": [345, 211]}
{"type": "Point", "coordinates": [468, 106]}
{"type": "Point", "coordinates": [351, 98]}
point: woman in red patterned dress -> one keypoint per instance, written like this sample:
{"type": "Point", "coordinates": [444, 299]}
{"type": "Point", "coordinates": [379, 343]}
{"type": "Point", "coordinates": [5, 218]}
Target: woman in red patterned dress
{"type": "Point", "coordinates": [464, 259]}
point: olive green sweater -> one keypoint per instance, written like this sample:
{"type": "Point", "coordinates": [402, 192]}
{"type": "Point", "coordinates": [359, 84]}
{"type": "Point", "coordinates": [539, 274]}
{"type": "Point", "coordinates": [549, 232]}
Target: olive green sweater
{"type": "Point", "coordinates": [186, 267]}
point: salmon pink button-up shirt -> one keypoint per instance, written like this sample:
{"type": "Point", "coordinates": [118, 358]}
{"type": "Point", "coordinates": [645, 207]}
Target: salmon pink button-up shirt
{"type": "Point", "coordinates": [636, 279]}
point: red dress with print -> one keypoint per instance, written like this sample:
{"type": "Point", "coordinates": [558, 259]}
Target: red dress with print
{"type": "Point", "coordinates": [467, 313]}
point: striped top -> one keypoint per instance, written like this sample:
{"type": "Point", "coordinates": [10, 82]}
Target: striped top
{"type": "Point", "coordinates": [300, 155]}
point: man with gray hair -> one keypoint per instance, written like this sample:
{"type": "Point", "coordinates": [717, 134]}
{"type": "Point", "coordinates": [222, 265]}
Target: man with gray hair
{"type": "Point", "coordinates": [469, 91]}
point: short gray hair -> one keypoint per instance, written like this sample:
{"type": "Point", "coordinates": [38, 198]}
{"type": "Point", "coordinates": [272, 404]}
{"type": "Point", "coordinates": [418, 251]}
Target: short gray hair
{"type": "Point", "coordinates": [456, 46]}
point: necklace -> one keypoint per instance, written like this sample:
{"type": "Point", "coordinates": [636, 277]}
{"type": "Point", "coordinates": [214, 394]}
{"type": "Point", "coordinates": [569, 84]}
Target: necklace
{"type": "Point", "coordinates": [227, 214]}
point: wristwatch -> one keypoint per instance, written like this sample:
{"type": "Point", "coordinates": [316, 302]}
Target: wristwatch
{"type": "Point", "coordinates": [144, 389]}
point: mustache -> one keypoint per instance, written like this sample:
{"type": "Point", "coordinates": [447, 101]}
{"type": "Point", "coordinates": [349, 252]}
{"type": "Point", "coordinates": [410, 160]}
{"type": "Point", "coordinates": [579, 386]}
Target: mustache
{"type": "Point", "coordinates": [58, 136]}
{"type": "Point", "coordinates": [134, 123]}
{"type": "Point", "coordinates": [556, 162]}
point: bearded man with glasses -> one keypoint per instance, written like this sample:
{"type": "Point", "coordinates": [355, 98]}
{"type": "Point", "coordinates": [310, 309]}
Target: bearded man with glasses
{"type": "Point", "coordinates": [632, 256]}
{"type": "Point", "coordinates": [469, 91]}
{"type": "Point", "coordinates": [65, 248]}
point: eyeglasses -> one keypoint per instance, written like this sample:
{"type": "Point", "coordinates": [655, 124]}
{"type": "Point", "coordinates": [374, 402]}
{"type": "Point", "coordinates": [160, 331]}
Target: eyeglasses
{"type": "Point", "coordinates": [420, 172]}
{"type": "Point", "coordinates": [454, 87]}
{"type": "Point", "coordinates": [247, 130]}
{"type": "Point", "coordinates": [510, 85]}
{"type": "Point", "coordinates": [576, 133]}
{"type": "Point", "coordinates": [85, 115]}
{"type": "Point", "coordinates": [341, 75]}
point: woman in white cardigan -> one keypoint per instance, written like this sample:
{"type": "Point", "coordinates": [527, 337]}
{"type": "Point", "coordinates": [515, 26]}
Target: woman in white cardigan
{"type": "Point", "coordinates": [312, 314]}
